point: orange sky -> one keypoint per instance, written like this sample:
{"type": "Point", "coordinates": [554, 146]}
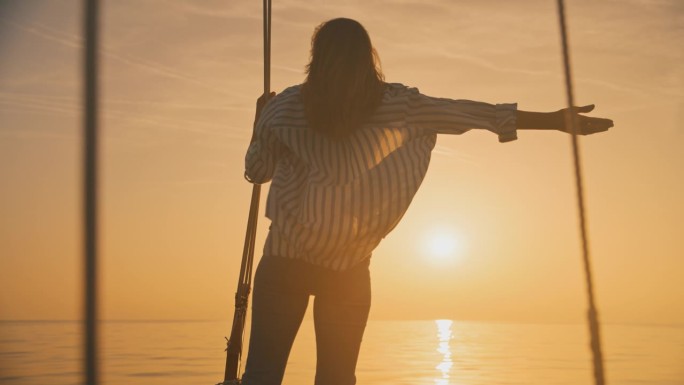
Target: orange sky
{"type": "Point", "coordinates": [178, 87]}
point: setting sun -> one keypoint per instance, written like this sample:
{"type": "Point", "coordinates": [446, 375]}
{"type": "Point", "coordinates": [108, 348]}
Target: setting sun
{"type": "Point", "coordinates": [443, 244]}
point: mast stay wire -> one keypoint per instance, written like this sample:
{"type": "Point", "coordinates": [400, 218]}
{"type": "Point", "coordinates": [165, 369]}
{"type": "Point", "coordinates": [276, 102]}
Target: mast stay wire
{"type": "Point", "coordinates": [236, 342]}
{"type": "Point", "coordinates": [90, 192]}
{"type": "Point", "coordinates": [571, 120]}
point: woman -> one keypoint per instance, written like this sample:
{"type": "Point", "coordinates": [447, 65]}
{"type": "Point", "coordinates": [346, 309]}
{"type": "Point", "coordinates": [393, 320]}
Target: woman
{"type": "Point", "coordinates": [346, 153]}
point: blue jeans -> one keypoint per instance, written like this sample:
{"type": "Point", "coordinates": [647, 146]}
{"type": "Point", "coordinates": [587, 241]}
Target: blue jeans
{"type": "Point", "coordinates": [282, 288]}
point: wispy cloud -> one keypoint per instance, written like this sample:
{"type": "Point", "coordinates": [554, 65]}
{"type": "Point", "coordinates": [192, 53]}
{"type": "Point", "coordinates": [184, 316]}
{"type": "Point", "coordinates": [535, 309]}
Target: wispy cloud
{"type": "Point", "coordinates": [223, 9]}
{"type": "Point", "coordinates": [150, 66]}
{"type": "Point", "coordinates": [64, 106]}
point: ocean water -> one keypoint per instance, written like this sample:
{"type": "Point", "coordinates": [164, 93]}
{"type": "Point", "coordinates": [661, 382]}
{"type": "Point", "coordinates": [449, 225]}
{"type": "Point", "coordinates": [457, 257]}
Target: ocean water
{"type": "Point", "coordinates": [436, 352]}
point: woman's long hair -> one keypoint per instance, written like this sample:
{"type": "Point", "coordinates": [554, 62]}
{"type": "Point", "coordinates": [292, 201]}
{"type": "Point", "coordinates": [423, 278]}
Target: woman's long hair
{"type": "Point", "coordinates": [344, 83]}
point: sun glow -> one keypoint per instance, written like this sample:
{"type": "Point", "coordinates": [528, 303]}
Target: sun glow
{"type": "Point", "coordinates": [443, 244]}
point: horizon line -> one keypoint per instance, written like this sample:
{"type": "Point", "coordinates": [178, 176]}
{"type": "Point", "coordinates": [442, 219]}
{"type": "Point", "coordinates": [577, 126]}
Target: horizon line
{"type": "Point", "coordinates": [152, 320]}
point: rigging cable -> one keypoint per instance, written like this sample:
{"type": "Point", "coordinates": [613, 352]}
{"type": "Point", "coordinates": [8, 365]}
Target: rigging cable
{"type": "Point", "coordinates": [571, 119]}
{"type": "Point", "coordinates": [235, 342]}
{"type": "Point", "coordinates": [90, 189]}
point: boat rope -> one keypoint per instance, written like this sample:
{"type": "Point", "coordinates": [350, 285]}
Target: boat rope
{"type": "Point", "coordinates": [90, 191]}
{"type": "Point", "coordinates": [236, 340]}
{"type": "Point", "coordinates": [571, 120]}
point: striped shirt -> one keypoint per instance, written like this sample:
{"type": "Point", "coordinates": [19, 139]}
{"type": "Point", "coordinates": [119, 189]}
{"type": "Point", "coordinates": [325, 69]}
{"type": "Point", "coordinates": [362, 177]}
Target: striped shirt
{"type": "Point", "coordinates": [331, 202]}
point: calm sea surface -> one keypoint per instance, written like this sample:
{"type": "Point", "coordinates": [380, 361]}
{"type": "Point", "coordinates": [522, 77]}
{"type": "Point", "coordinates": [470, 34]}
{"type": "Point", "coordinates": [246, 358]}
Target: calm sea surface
{"type": "Point", "coordinates": [438, 352]}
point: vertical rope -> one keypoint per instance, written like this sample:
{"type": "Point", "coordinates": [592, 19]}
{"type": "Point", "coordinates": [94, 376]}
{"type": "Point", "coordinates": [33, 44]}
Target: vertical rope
{"type": "Point", "coordinates": [571, 119]}
{"type": "Point", "coordinates": [236, 340]}
{"type": "Point", "coordinates": [267, 47]}
{"type": "Point", "coordinates": [248, 255]}
{"type": "Point", "coordinates": [90, 158]}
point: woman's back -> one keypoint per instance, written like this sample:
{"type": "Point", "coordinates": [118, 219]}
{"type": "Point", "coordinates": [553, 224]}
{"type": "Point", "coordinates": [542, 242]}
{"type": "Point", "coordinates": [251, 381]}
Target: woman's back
{"type": "Point", "coordinates": [332, 200]}
{"type": "Point", "coordinates": [346, 154]}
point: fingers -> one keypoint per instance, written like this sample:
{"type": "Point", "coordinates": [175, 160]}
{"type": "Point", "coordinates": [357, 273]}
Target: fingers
{"type": "Point", "coordinates": [596, 129]}
{"type": "Point", "coordinates": [263, 100]}
{"type": "Point", "coordinates": [587, 125]}
{"type": "Point", "coordinates": [605, 122]}
{"type": "Point", "coordinates": [594, 125]}
{"type": "Point", "coordinates": [585, 109]}
{"type": "Point", "coordinates": [263, 97]}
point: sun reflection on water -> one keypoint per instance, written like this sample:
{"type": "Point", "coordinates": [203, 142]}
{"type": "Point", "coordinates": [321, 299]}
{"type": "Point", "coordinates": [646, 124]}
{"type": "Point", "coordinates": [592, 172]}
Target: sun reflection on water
{"type": "Point", "coordinates": [444, 334]}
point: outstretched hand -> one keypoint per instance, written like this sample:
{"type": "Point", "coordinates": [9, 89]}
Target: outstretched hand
{"type": "Point", "coordinates": [586, 125]}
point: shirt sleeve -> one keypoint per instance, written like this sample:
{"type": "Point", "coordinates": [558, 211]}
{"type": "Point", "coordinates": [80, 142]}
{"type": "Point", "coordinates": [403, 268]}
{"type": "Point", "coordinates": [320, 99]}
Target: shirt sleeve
{"type": "Point", "coordinates": [263, 153]}
{"type": "Point", "coordinates": [449, 116]}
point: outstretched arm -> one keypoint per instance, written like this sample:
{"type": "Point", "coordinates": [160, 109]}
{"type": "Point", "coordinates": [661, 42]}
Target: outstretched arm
{"type": "Point", "coordinates": [527, 120]}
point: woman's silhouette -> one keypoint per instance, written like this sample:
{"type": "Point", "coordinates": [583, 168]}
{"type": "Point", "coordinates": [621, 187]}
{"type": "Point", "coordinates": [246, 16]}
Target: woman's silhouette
{"type": "Point", "coordinates": [346, 152]}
